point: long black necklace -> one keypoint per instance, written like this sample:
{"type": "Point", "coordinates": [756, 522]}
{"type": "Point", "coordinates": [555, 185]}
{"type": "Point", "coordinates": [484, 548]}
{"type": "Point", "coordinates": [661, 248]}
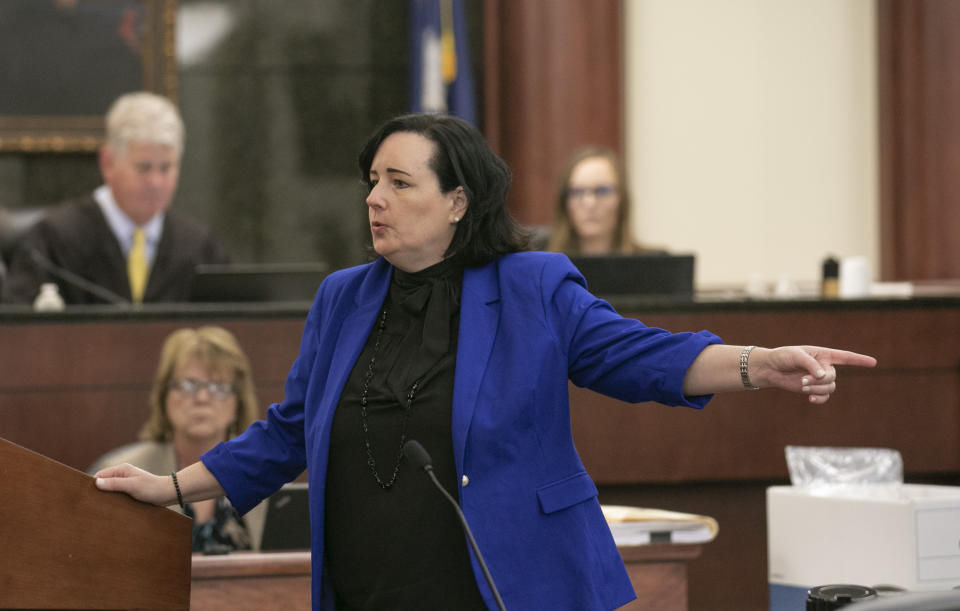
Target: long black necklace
{"type": "Point", "coordinates": [371, 462]}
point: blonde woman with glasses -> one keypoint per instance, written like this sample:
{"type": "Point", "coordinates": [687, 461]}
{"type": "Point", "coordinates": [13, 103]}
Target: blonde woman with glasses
{"type": "Point", "coordinates": [203, 394]}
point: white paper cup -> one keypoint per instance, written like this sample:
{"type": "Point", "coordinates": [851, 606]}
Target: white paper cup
{"type": "Point", "coordinates": [854, 277]}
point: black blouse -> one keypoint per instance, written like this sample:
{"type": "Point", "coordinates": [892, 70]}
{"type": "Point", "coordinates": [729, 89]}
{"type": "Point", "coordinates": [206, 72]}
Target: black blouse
{"type": "Point", "coordinates": [400, 546]}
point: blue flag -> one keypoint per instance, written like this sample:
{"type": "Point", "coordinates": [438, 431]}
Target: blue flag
{"type": "Point", "coordinates": [441, 79]}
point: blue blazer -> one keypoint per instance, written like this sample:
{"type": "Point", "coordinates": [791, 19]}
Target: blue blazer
{"type": "Point", "coordinates": [527, 325]}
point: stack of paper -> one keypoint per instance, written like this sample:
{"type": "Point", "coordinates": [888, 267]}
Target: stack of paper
{"type": "Point", "coordinates": [641, 526]}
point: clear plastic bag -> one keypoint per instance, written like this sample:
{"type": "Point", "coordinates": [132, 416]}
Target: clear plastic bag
{"type": "Point", "coordinates": [840, 470]}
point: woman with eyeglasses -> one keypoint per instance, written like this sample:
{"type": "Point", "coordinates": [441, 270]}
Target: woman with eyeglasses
{"type": "Point", "coordinates": [592, 214]}
{"type": "Point", "coordinates": [203, 394]}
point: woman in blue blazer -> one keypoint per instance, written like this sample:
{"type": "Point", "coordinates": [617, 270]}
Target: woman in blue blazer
{"type": "Point", "coordinates": [455, 337]}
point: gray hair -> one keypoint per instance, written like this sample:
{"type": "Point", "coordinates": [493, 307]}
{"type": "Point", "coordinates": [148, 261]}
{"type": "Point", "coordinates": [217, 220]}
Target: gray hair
{"type": "Point", "coordinates": [143, 117]}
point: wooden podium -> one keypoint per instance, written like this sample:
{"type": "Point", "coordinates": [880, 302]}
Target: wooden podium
{"type": "Point", "coordinates": [67, 545]}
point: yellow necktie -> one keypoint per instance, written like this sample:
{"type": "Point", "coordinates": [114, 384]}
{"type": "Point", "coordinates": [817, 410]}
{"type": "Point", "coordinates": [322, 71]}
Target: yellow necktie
{"type": "Point", "coordinates": [137, 265]}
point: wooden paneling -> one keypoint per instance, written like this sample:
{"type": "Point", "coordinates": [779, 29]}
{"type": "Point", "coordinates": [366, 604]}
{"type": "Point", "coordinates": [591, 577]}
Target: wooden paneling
{"type": "Point", "coordinates": [243, 581]}
{"type": "Point", "coordinates": [553, 81]}
{"type": "Point", "coordinates": [909, 402]}
{"type": "Point", "coordinates": [73, 391]}
{"type": "Point", "coordinates": [659, 575]}
{"type": "Point", "coordinates": [919, 93]}
{"type": "Point", "coordinates": [239, 582]}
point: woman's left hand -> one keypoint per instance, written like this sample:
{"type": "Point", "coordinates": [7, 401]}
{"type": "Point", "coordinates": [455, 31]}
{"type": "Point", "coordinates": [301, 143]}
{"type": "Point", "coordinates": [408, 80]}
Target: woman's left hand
{"type": "Point", "coordinates": [806, 369]}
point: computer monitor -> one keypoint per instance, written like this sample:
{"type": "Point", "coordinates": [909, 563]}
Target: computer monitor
{"type": "Point", "coordinates": [257, 282]}
{"type": "Point", "coordinates": [287, 523]}
{"type": "Point", "coordinates": [651, 275]}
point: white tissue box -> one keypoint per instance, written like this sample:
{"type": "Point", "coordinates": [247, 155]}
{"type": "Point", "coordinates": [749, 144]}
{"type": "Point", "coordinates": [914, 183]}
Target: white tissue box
{"type": "Point", "coordinates": [904, 535]}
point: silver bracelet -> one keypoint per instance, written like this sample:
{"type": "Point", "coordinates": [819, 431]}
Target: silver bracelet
{"type": "Point", "coordinates": [744, 374]}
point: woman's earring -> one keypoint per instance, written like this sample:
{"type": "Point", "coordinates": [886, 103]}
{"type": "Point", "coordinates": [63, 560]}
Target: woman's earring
{"type": "Point", "coordinates": [456, 219]}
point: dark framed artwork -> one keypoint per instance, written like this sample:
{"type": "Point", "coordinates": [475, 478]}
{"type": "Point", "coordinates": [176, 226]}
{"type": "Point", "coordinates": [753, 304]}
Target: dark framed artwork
{"type": "Point", "coordinates": [62, 63]}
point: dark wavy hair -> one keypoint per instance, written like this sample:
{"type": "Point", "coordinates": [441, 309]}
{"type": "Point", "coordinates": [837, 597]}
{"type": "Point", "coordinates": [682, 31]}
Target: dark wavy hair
{"type": "Point", "coordinates": [462, 158]}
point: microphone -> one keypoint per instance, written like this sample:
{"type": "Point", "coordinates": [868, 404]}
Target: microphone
{"type": "Point", "coordinates": [74, 280]}
{"type": "Point", "coordinates": [419, 457]}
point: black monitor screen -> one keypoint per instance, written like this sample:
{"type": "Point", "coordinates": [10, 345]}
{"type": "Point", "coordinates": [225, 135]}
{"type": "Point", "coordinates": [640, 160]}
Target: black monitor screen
{"type": "Point", "coordinates": [287, 523]}
{"type": "Point", "coordinates": [655, 275]}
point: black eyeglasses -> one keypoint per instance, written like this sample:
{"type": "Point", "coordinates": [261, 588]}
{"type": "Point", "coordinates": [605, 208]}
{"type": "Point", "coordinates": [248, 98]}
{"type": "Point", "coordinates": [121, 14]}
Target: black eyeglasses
{"type": "Point", "coordinates": [217, 390]}
{"type": "Point", "coordinates": [600, 191]}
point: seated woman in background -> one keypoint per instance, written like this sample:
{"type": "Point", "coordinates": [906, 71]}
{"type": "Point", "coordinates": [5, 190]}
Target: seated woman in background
{"type": "Point", "coordinates": [592, 214]}
{"type": "Point", "coordinates": [202, 394]}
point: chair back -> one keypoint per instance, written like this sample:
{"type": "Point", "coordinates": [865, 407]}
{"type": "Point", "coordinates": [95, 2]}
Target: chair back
{"type": "Point", "coordinates": [14, 224]}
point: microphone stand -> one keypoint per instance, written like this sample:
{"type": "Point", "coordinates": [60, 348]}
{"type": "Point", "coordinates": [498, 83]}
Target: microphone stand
{"type": "Point", "coordinates": [416, 453]}
{"type": "Point", "coordinates": [75, 280]}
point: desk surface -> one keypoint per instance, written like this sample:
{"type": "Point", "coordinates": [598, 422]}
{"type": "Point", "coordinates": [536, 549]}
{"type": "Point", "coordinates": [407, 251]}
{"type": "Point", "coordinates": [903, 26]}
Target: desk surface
{"type": "Point", "coordinates": [626, 304]}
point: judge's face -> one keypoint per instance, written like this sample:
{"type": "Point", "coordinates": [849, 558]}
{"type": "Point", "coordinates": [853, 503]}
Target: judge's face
{"type": "Point", "coordinates": [143, 179]}
{"type": "Point", "coordinates": [593, 199]}
{"type": "Point", "coordinates": [198, 412]}
{"type": "Point", "coordinates": [412, 222]}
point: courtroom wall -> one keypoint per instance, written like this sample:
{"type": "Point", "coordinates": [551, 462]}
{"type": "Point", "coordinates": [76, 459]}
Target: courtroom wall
{"type": "Point", "coordinates": [751, 133]}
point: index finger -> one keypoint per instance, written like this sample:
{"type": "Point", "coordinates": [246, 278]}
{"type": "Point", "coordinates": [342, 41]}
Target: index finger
{"type": "Point", "coordinates": [855, 359]}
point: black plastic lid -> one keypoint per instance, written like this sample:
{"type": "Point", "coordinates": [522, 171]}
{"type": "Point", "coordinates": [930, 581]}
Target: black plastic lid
{"type": "Point", "coordinates": [831, 268]}
{"type": "Point", "coordinates": [834, 596]}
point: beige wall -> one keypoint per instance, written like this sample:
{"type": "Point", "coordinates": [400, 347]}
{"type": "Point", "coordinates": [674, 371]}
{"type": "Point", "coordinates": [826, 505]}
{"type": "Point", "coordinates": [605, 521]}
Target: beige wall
{"type": "Point", "coordinates": [751, 133]}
